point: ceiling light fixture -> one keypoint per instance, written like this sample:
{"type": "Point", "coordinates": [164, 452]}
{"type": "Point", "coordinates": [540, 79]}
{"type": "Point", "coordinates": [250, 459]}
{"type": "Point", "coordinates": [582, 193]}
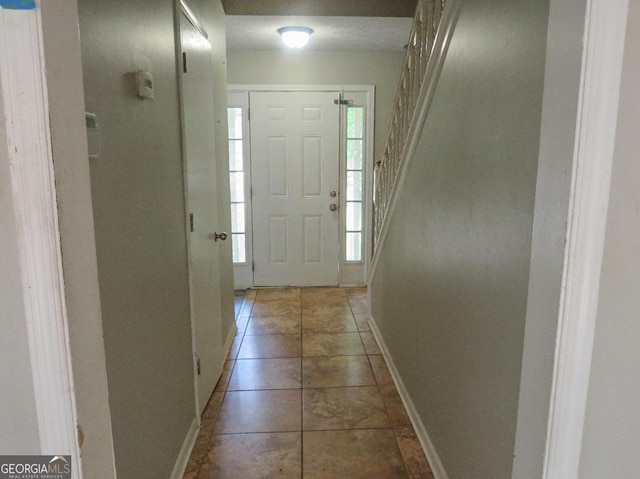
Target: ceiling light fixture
{"type": "Point", "coordinates": [295, 37]}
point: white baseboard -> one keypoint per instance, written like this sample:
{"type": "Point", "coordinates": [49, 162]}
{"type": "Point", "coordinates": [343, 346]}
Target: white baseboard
{"type": "Point", "coordinates": [425, 441]}
{"type": "Point", "coordinates": [229, 341]}
{"type": "Point", "coordinates": [185, 450]}
{"type": "Point", "coordinates": [192, 435]}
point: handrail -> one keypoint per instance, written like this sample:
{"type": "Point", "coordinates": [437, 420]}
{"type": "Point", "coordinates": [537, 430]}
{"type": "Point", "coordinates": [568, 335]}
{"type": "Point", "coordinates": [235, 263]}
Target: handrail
{"type": "Point", "coordinates": [419, 49]}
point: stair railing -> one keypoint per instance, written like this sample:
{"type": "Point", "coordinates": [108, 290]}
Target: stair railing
{"type": "Point", "coordinates": [414, 72]}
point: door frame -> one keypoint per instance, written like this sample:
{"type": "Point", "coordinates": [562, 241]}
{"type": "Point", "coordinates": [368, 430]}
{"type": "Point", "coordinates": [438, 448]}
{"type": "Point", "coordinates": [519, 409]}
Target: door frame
{"type": "Point", "coordinates": [369, 91]}
{"type": "Point", "coordinates": [598, 97]}
{"type": "Point", "coordinates": [26, 143]}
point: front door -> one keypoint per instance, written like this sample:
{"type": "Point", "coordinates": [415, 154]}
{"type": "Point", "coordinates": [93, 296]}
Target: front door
{"type": "Point", "coordinates": [295, 172]}
{"type": "Point", "coordinates": [204, 267]}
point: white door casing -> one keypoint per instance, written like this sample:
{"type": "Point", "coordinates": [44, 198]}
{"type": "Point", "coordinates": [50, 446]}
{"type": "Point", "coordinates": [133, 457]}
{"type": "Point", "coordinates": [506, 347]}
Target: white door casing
{"type": "Point", "coordinates": [25, 140]}
{"type": "Point", "coordinates": [295, 169]}
{"type": "Point", "coordinates": [200, 165]}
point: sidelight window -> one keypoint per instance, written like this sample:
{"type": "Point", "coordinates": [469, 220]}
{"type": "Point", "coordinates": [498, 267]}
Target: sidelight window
{"type": "Point", "coordinates": [355, 180]}
{"type": "Point", "coordinates": [237, 181]}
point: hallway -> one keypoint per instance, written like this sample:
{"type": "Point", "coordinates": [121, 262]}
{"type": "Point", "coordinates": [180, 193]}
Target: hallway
{"type": "Point", "coordinates": [305, 392]}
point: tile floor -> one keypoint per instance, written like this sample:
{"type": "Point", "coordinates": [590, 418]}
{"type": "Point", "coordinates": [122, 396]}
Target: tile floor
{"type": "Point", "coordinates": [305, 393]}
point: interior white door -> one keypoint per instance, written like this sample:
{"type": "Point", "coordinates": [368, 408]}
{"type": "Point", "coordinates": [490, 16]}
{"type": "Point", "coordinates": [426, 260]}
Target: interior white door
{"type": "Point", "coordinates": [197, 99]}
{"type": "Point", "coordinates": [295, 181]}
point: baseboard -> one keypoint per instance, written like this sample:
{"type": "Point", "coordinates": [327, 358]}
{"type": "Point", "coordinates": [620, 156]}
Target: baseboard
{"type": "Point", "coordinates": [185, 450]}
{"type": "Point", "coordinates": [190, 440]}
{"type": "Point", "coordinates": [425, 441]}
{"type": "Point", "coordinates": [229, 341]}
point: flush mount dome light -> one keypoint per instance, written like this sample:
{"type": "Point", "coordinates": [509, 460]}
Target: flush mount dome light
{"type": "Point", "coordinates": [295, 37]}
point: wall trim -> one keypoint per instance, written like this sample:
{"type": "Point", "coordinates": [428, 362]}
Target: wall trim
{"type": "Point", "coordinates": [193, 18]}
{"type": "Point", "coordinates": [230, 338]}
{"type": "Point", "coordinates": [25, 98]}
{"type": "Point", "coordinates": [605, 27]}
{"type": "Point", "coordinates": [429, 449]}
{"type": "Point", "coordinates": [185, 451]}
{"type": "Point", "coordinates": [233, 87]}
{"type": "Point", "coordinates": [441, 44]}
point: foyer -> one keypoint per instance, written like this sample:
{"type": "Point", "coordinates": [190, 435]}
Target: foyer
{"type": "Point", "coordinates": [503, 286]}
{"type": "Point", "coordinates": [305, 392]}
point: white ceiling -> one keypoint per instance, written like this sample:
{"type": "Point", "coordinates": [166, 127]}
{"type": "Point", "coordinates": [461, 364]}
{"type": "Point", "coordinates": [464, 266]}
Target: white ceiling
{"type": "Point", "coordinates": [249, 32]}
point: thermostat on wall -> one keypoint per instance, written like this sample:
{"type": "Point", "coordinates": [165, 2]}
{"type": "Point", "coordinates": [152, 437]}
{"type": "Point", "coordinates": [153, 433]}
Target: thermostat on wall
{"type": "Point", "coordinates": [145, 84]}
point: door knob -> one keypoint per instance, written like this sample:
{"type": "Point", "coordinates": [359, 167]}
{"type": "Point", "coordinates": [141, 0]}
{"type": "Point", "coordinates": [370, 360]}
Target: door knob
{"type": "Point", "coordinates": [333, 194]}
{"type": "Point", "coordinates": [218, 236]}
{"type": "Point", "coordinates": [333, 207]}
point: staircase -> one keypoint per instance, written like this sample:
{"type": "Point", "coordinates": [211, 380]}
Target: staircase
{"type": "Point", "coordinates": [432, 27]}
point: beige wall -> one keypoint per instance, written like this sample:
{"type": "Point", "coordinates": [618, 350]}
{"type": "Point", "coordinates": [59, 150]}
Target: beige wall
{"type": "Point", "coordinates": [450, 294]}
{"type": "Point", "coordinates": [281, 67]}
{"type": "Point", "coordinates": [611, 441]}
{"type": "Point", "coordinates": [138, 203]}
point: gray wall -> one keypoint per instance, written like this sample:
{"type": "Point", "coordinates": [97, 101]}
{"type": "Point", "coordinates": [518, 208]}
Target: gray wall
{"type": "Point", "coordinates": [450, 293]}
{"type": "Point", "coordinates": [18, 416]}
{"type": "Point", "coordinates": [281, 67]}
{"type": "Point", "coordinates": [139, 212]}
{"type": "Point", "coordinates": [611, 441]}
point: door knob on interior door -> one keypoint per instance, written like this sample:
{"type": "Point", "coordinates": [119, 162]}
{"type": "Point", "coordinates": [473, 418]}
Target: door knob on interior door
{"type": "Point", "coordinates": [333, 194]}
{"type": "Point", "coordinates": [333, 207]}
{"type": "Point", "coordinates": [218, 236]}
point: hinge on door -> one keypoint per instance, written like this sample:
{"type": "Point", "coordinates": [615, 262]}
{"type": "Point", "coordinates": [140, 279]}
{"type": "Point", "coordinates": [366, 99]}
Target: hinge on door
{"type": "Point", "coordinates": [253, 266]}
{"type": "Point", "coordinates": [248, 114]}
{"type": "Point", "coordinates": [191, 222]}
{"type": "Point", "coordinates": [184, 62]}
{"type": "Point", "coordinates": [198, 369]}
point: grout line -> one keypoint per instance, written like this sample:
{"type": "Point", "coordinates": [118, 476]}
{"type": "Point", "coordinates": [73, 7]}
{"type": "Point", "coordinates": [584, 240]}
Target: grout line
{"type": "Point", "coordinates": [301, 396]}
{"type": "Point", "coordinates": [354, 429]}
{"type": "Point", "coordinates": [257, 432]}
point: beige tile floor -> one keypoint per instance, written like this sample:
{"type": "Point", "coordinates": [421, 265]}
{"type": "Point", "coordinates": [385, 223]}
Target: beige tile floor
{"type": "Point", "coordinates": [305, 393]}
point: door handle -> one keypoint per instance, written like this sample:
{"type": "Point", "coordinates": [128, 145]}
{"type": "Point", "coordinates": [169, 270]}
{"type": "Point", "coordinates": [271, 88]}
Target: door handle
{"type": "Point", "coordinates": [218, 236]}
{"type": "Point", "coordinates": [333, 194]}
{"type": "Point", "coordinates": [333, 207]}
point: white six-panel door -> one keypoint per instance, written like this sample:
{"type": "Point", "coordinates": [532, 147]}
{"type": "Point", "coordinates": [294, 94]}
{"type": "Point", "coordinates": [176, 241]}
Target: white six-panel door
{"type": "Point", "coordinates": [295, 171]}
